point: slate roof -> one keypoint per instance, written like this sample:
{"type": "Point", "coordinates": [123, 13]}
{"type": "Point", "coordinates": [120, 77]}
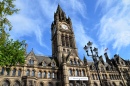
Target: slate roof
{"type": "Point", "coordinates": [44, 58]}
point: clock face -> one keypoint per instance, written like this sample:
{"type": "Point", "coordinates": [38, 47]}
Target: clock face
{"type": "Point", "coordinates": [64, 26]}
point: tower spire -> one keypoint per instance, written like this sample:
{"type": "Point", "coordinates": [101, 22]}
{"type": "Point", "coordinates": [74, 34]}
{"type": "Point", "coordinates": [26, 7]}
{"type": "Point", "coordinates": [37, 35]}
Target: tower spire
{"type": "Point", "coordinates": [59, 8]}
{"type": "Point", "coordinates": [60, 14]}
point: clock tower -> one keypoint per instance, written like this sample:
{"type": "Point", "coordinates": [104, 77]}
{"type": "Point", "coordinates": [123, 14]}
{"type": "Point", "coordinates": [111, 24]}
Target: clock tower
{"type": "Point", "coordinates": [62, 36]}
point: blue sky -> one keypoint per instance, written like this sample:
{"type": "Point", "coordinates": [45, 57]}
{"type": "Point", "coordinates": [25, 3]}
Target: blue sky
{"type": "Point", "coordinates": [104, 22]}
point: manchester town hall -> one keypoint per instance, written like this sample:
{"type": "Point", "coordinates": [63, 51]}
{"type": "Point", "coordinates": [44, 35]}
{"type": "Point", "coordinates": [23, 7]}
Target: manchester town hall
{"type": "Point", "coordinates": [64, 67]}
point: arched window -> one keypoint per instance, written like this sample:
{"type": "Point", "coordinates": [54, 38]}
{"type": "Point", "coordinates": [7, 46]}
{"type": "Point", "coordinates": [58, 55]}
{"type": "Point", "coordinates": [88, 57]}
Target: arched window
{"type": "Point", "coordinates": [17, 83]}
{"type": "Point", "coordinates": [103, 76]}
{"type": "Point", "coordinates": [75, 62]}
{"type": "Point", "coordinates": [41, 84]}
{"type": "Point", "coordinates": [50, 84]}
{"type": "Point", "coordinates": [70, 72]}
{"type": "Point", "coordinates": [53, 75]}
{"type": "Point", "coordinates": [39, 74]}
{"type": "Point", "coordinates": [84, 84]}
{"type": "Point", "coordinates": [78, 63]}
{"type": "Point", "coordinates": [30, 83]}
{"type": "Point", "coordinates": [49, 75]}
{"type": "Point", "coordinates": [93, 77]}
{"type": "Point", "coordinates": [2, 71]}
{"type": "Point", "coordinates": [110, 76]}
{"type": "Point", "coordinates": [28, 72]}
{"type": "Point", "coordinates": [31, 61]}
{"type": "Point", "coordinates": [57, 84]}
{"type": "Point", "coordinates": [19, 72]}
{"type": "Point", "coordinates": [7, 71]}
{"type": "Point", "coordinates": [77, 84]}
{"type": "Point", "coordinates": [113, 84]}
{"type": "Point", "coordinates": [70, 39]}
{"type": "Point", "coordinates": [76, 73]}
{"type": "Point", "coordinates": [121, 84]}
{"type": "Point", "coordinates": [44, 74]}
{"type": "Point", "coordinates": [63, 43]}
{"type": "Point", "coordinates": [14, 72]}
{"type": "Point", "coordinates": [33, 73]}
{"type": "Point", "coordinates": [6, 83]}
{"type": "Point", "coordinates": [95, 84]}
{"type": "Point", "coordinates": [97, 76]}
{"type": "Point", "coordinates": [71, 84]}
{"type": "Point", "coordinates": [82, 73]}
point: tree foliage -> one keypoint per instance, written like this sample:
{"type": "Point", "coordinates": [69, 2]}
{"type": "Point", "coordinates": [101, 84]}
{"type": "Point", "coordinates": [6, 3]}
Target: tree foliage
{"type": "Point", "coordinates": [11, 52]}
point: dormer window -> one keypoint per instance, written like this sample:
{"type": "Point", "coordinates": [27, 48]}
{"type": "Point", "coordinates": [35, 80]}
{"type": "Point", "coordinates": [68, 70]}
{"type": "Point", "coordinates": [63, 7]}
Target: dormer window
{"type": "Point", "coordinates": [102, 69]}
{"type": "Point", "coordinates": [43, 64]}
{"type": "Point", "coordinates": [78, 63]}
{"type": "Point", "coordinates": [71, 62]}
{"type": "Point", "coordinates": [75, 62]}
{"type": "Point", "coordinates": [31, 61]}
{"type": "Point", "coordinates": [92, 67]}
{"type": "Point", "coordinates": [53, 64]}
{"type": "Point", "coordinates": [122, 63]}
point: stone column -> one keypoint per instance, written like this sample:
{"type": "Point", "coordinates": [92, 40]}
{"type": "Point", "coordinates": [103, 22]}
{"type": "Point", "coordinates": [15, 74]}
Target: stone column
{"type": "Point", "coordinates": [16, 73]}
{"type": "Point", "coordinates": [11, 71]}
{"type": "Point", "coordinates": [65, 75]}
{"type": "Point", "coordinates": [64, 40]}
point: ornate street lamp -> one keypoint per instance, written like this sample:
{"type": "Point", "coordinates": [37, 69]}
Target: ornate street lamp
{"type": "Point", "coordinates": [94, 55]}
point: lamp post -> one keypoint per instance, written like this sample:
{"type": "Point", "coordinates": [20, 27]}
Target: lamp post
{"type": "Point", "coordinates": [94, 55]}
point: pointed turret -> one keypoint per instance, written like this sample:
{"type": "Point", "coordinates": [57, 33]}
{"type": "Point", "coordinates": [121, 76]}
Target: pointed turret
{"type": "Point", "coordinates": [69, 20]}
{"type": "Point", "coordinates": [59, 15]}
{"type": "Point", "coordinates": [85, 61]}
{"type": "Point", "coordinates": [107, 59]}
{"type": "Point", "coordinates": [58, 9]}
{"type": "Point", "coordinates": [101, 59]}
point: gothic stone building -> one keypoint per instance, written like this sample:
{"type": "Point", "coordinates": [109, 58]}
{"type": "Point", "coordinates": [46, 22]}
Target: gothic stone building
{"type": "Point", "coordinates": [64, 67]}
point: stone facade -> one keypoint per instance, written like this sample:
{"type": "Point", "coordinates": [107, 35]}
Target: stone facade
{"type": "Point", "coordinates": [65, 64]}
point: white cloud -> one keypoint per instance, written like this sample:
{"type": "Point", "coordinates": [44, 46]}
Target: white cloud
{"type": "Point", "coordinates": [74, 7]}
{"type": "Point", "coordinates": [28, 22]}
{"type": "Point", "coordinates": [37, 18]}
{"type": "Point", "coordinates": [115, 24]}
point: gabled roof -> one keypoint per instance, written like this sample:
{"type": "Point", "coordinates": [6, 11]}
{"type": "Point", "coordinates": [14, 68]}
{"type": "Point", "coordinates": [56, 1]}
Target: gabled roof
{"type": "Point", "coordinates": [43, 58]}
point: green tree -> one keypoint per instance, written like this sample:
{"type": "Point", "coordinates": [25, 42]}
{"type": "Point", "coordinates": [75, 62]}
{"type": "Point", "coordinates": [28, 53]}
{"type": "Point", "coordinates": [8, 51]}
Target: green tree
{"type": "Point", "coordinates": [11, 52]}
